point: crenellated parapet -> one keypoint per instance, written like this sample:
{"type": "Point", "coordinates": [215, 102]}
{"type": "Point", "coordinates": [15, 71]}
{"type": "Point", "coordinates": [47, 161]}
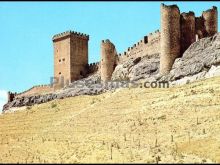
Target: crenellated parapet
{"type": "Point", "coordinates": [152, 37]}
{"type": "Point", "coordinates": [70, 57]}
{"type": "Point", "coordinates": [148, 45]}
{"type": "Point", "coordinates": [70, 33]}
{"type": "Point", "coordinates": [93, 67]}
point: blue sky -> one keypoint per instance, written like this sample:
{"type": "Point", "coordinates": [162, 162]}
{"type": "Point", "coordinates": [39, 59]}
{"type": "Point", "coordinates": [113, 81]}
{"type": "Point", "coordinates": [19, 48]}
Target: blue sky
{"type": "Point", "coordinates": [27, 29]}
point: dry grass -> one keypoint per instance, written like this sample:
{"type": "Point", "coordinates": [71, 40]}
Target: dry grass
{"type": "Point", "coordinates": [179, 124]}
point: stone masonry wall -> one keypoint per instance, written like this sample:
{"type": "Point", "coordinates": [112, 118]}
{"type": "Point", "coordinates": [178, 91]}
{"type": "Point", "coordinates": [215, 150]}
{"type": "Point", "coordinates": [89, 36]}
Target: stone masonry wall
{"type": "Point", "coordinates": [149, 45]}
{"type": "Point", "coordinates": [210, 21]}
{"type": "Point", "coordinates": [187, 26]}
{"type": "Point", "coordinates": [170, 37]}
{"type": "Point", "coordinates": [70, 56]}
{"type": "Point", "coordinates": [35, 90]}
{"type": "Point", "coordinates": [93, 67]}
{"type": "Point", "coordinates": [179, 31]}
{"type": "Point", "coordinates": [108, 60]}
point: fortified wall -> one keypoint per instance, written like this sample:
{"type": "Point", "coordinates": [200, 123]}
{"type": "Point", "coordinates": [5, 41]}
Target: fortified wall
{"type": "Point", "coordinates": [35, 90]}
{"type": "Point", "coordinates": [177, 32]}
{"type": "Point", "coordinates": [148, 45]}
{"type": "Point", "coordinates": [93, 67]}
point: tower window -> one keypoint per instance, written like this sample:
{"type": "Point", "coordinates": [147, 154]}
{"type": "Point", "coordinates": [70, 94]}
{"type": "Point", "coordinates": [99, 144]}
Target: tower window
{"type": "Point", "coordinates": [59, 73]}
{"type": "Point", "coordinates": [63, 59]}
{"type": "Point", "coordinates": [59, 60]}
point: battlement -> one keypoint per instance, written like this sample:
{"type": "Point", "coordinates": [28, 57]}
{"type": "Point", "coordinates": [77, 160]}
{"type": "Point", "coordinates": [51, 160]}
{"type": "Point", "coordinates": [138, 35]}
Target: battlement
{"type": "Point", "coordinates": [142, 47]}
{"type": "Point", "coordinates": [107, 41]}
{"type": "Point", "coordinates": [190, 13]}
{"type": "Point", "coordinates": [174, 6]}
{"type": "Point", "coordinates": [69, 34]}
{"type": "Point", "coordinates": [93, 67]}
{"type": "Point", "coordinates": [214, 8]}
{"type": "Point", "coordinates": [93, 64]}
{"type": "Point", "coordinates": [153, 36]}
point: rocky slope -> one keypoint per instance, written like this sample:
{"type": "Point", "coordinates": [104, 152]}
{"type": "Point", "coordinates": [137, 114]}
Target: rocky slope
{"type": "Point", "coordinates": [201, 60]}
{"type": "Point", "coordinates": [172, 125]}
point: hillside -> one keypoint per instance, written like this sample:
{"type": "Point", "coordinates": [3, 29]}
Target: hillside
{"type": "Point", "coordinates": [179, 124]}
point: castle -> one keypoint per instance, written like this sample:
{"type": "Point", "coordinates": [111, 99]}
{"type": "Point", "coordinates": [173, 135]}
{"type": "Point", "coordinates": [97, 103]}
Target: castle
{"type": "Point", "coordinates": [178, 31]}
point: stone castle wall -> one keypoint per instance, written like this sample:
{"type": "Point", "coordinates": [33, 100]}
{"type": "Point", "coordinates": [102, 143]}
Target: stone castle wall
{"type": "Point", "coordinates": [93, 67]}
{"type": "Point", "coordinates": [149, 45]}
{"type": "Point", "coordinates": [188, 30]}
{"type": "Point", "coordinates": [179, 31]}
{"type": "Point", "coordinates": [38, 89]}
{"type": "Point", "coordinates": [210, 21]}
{"type": "Point", "coordinates": [35, 90]}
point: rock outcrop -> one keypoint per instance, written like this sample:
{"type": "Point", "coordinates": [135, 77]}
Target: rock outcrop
{"type": "Point", "coordinates": [137, 68]}
{"type": "Point", "coordinates": [199, 57]}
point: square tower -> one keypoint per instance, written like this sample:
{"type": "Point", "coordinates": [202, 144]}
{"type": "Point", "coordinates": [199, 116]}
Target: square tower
{"type": "Point", "coordinates": [70, 56]}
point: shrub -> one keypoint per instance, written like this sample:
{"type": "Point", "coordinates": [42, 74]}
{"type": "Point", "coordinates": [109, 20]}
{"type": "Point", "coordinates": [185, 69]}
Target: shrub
{"type": "Point", "coordinates": [53, 105]}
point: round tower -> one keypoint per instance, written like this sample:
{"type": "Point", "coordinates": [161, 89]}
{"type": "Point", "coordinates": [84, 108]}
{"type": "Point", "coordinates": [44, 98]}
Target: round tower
{"type": "Point", "coordinates": [187, 28]}
{"type": "Point", "coordinates": [170, 37]}
{"type": "Point", "coordinates": [108, 60]}
{"type": "Point", "coordinates": [211, 21]}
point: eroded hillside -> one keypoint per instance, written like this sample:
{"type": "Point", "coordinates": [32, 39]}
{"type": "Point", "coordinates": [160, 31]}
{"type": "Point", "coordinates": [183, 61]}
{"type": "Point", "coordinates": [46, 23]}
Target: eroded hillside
{"type": "Point", "coordinates": [179, 124]}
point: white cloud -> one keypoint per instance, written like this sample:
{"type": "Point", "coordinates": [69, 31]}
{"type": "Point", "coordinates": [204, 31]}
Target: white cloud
{"type": "Point", "coordinates": [3, 98]}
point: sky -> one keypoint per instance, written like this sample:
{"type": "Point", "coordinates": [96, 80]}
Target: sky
{"type": "Point", "coordinates": [27, 29]}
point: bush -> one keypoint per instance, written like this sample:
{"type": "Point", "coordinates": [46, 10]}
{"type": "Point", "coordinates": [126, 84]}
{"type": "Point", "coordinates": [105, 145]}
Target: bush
{"type": "Point", "coordinates": [53, 105]}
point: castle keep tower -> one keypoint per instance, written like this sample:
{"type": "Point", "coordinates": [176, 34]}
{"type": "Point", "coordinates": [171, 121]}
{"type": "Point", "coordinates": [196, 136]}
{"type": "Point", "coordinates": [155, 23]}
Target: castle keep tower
{"type": "Point", "coordinates": [70, 56]}
{"type": "Point", "coordinates": [211, 21]}
{"type": "Point", "coordinates": [170, 37]}
{"type": "Point", "coordinates": [108, 60]}
{"type": "Point", "coordinates": [187, 27]}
